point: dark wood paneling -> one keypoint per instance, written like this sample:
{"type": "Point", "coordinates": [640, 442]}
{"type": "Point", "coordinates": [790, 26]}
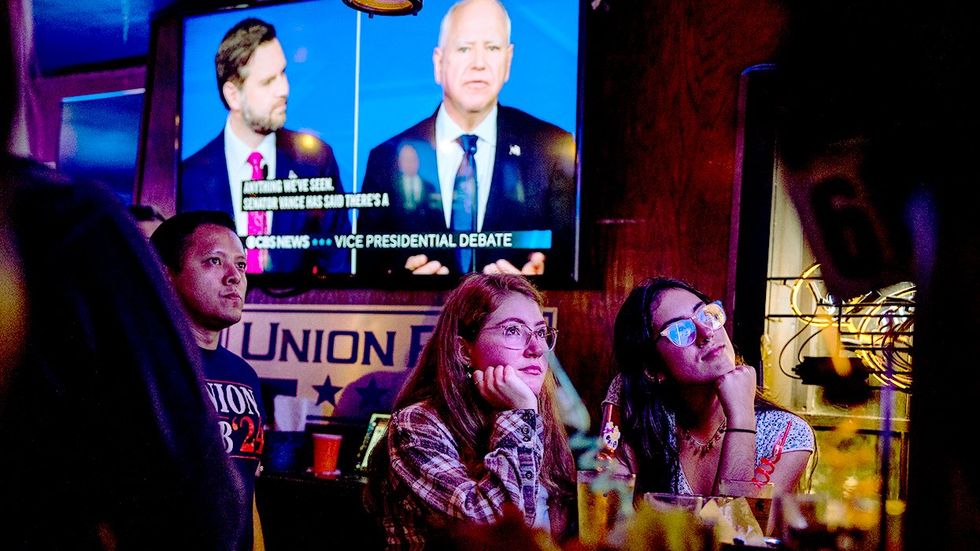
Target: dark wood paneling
{"type": "Point", "coordinates": [659, 153]}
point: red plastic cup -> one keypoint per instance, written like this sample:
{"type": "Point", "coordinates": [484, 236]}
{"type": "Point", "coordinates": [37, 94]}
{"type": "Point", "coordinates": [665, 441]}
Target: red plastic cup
{"type": "Point", "coordinates": [326, 449]}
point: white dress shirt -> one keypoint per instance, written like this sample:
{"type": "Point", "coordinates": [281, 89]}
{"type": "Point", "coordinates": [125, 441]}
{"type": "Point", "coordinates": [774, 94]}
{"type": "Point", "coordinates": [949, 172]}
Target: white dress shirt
{"type": "Point", "coordinates": [236, 155]}
{"type": "Point", "coordinates": [449, 153]}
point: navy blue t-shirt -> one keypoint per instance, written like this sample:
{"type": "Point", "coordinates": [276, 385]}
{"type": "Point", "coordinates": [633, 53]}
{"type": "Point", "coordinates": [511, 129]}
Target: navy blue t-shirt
{"type": "Point", "coordinates": [233, 388]}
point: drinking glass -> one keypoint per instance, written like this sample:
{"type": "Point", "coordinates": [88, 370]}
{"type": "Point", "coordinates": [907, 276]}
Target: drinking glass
{"type": "Point", "coordinates": [604, 499]}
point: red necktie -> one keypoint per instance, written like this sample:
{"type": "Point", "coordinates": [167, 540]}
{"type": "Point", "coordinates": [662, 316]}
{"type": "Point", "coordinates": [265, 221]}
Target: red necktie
{"type": "Point", "coordinates": [258, 223]}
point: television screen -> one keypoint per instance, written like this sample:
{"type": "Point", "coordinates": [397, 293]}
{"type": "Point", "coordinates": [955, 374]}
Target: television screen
{"type": "Point", "coordinates": [98, 138]}
{"type": "Point", "coordinates": [361, 148]}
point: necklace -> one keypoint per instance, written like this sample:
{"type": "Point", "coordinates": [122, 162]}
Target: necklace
{"type": "Point", "coordinates": [699, 448]}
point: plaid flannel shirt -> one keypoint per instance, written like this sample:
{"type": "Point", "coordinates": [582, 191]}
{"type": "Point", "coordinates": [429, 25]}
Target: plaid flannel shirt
{"type": "Point", "coordinates": [429, 486]}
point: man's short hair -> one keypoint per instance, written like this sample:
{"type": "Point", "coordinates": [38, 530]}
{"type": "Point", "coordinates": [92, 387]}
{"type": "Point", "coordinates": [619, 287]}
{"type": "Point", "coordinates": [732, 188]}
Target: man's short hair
{"type": "Point", "coordinates": [444, 25]}
{"type": "Point", "coordinates": [236, 49]}
{"type": "Point", "coordinates": [146, 213]}
{"type": "Point", "coordinates": [172, 238]}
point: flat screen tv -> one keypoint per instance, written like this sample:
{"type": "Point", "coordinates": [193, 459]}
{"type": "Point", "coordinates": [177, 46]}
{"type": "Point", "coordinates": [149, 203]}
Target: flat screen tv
{"type": "Point", "coordinates": [99, 136]}
{"type": "Point", "coordinates": [362, 170]}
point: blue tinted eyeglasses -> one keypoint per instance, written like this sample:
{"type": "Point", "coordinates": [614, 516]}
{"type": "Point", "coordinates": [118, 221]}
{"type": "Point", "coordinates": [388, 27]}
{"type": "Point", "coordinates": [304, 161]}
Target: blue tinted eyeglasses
{"type": "Point", "coordinates": [684, 332]}
{"type": "Point", "coordinates": [517, 336]}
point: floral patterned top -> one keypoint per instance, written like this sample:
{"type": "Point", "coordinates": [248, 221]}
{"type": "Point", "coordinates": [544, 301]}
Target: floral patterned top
{"type": "Point", "coordinates": [770, 426]}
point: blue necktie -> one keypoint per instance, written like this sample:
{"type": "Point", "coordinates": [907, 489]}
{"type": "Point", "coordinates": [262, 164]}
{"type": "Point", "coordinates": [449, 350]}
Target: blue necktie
{"type": "Point", "coordinates": [463, 217]}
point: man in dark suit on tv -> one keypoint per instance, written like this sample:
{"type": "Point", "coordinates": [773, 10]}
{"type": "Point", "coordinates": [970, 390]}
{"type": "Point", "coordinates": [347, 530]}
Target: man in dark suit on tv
{"type": "Point", "coordinates": [251, 72]}
{"type": "Point", "coordinates": [484, 167]}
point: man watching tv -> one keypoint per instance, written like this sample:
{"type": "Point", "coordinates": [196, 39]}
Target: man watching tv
{"type": "Point", "coordinates": [205, 261]}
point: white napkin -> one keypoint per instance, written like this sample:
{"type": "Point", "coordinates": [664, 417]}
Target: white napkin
{"type": "Point", "coordinates": [291, 412]}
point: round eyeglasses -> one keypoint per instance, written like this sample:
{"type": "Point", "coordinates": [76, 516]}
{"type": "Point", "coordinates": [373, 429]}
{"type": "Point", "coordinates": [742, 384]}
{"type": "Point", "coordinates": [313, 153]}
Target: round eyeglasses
{"type": "Point", "coordinates": [684, 332]}
{"type": "Point", "coordinates": [517, 336]}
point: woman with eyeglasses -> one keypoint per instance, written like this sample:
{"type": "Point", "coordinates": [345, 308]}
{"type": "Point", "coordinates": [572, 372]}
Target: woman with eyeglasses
{"type": "Point", "coordinates": [474, 426]}
{"type": "Point", "coordinates": [690, 416]}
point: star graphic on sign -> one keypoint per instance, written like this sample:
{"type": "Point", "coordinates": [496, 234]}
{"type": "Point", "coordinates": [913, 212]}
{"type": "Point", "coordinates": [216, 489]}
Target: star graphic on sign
{"type": "Point", "coordinates": [327, 392]}
{"type": "Point", "coordinates": [371, 396]}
